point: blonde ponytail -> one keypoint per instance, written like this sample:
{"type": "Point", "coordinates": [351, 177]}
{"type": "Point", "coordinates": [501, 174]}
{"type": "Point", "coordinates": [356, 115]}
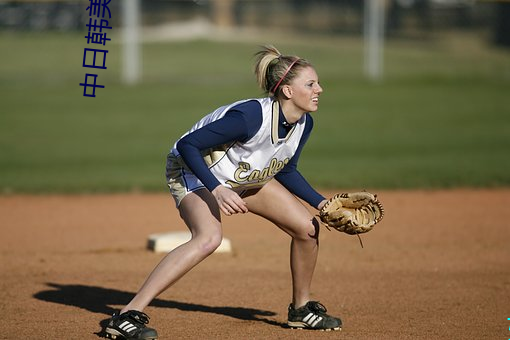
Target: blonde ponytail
{"type": "Point", "coordinates": [272, 69]}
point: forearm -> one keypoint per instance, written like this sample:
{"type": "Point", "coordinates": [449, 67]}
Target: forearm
{"type": "Point", "coordinates": [298, 185]}
{"type": "Point", "coordinates": [195, 162]}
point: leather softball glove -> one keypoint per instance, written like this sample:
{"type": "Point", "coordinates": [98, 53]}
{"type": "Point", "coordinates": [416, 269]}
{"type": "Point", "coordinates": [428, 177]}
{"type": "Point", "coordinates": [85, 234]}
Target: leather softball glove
{"type": "Point", "coordinates": [352, 213]}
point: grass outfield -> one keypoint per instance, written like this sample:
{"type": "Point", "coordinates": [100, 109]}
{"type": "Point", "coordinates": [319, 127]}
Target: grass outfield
{"type": "Point", "coordinates": [440, 118]}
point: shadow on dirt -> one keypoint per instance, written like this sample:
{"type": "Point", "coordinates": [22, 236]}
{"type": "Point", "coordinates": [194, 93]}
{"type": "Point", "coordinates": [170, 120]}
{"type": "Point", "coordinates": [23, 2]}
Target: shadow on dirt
{"type": "Point", "coordinates": [99, 300]}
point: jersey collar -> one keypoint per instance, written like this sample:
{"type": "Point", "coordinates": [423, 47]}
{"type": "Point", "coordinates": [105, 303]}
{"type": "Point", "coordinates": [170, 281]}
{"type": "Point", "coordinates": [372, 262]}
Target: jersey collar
{"type": "Point", "coordinates": [277, 117]}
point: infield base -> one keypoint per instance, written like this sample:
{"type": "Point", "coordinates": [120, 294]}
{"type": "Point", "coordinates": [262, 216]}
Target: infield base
{"type": "Point", "coordinates": [166, 242]}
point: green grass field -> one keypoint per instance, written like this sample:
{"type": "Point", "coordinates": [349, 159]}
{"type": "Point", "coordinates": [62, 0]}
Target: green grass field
{"type": "Point", "coordinates": [439, 118]}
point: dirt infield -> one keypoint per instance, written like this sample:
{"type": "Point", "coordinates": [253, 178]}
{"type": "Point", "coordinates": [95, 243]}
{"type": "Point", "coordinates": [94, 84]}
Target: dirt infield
{"type": "Point", "coordinates": [437, 267]}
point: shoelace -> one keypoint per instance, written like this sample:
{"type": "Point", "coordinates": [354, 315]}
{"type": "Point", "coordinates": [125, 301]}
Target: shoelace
{"type": "Point", "coordinates": [316, 306]}
{"type": "Point", "coordinates": [140, 317]}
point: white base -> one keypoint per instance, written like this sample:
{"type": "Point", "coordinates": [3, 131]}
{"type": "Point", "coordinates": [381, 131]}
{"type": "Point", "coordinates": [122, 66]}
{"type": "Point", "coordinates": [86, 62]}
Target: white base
{"type": "Point", "coordinates": [166, 242]}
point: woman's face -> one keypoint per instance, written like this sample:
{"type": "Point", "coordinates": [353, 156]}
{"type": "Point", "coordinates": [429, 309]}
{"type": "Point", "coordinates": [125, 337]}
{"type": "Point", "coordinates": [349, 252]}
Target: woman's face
{"type": "Point", "coordinates": [305, 90]}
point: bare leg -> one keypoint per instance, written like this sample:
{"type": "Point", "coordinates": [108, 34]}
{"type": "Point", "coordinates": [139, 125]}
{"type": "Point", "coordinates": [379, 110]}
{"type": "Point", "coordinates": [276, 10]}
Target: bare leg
{"type": "Point", "coordinates": [278, 205]}
{"type": "Point", "coordinates": [200, 212]}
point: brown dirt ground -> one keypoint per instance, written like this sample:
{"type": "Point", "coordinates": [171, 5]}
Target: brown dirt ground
{"type": "Point", "coordinates": [436, 267]}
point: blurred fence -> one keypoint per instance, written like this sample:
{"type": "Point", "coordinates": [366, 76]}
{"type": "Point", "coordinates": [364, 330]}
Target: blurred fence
{"type": "Point", "coordinates": [404, 18]}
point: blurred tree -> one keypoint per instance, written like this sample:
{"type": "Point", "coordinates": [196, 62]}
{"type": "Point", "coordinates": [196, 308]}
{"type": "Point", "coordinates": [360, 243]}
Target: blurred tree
{"type": "Point", "coordinates": [223, 13]}
{"type": "Point", "coordinates": [502, 24]}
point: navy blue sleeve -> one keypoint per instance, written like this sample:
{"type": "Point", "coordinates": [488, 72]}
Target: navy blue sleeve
{"type": "Point", "coordinates": [292, 179]}
{"type": "Point", "coordinates": [240, 123]}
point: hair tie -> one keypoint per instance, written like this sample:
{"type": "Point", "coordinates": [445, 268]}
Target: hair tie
{"type": "Point", "coordinates": [283, 77]}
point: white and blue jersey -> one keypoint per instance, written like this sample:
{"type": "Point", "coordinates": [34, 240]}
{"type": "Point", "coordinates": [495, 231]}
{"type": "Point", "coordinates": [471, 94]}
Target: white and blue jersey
{"type": "Point", "coordinates": [244, 145]}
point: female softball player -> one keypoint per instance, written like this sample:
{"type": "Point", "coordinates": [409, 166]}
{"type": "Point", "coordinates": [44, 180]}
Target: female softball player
{"type": "Point", "coordinates": [243, 158]}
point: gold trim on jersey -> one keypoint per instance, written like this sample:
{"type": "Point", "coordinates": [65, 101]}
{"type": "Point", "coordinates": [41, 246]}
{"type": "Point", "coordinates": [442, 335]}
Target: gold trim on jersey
{"type": "Point", "coordinates": [244, 177]}
{"type": "Point", "coordinates": [213, 155]}
{"type": "Point", "coordinates": [275, 123]}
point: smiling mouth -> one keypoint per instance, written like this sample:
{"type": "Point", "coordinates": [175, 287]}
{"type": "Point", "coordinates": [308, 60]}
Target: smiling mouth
{"type": "Point", "coordinates": [315, 100]}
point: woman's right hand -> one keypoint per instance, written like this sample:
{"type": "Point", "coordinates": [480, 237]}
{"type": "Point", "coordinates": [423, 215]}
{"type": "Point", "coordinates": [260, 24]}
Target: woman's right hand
{"type": "Point", "coordinates": [229, 201]}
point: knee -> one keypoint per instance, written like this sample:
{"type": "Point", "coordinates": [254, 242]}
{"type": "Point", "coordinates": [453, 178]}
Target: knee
{"type": "Point", "coordinates": [208, 243]}
{"type": "Point", "coordinates": [309, 231]}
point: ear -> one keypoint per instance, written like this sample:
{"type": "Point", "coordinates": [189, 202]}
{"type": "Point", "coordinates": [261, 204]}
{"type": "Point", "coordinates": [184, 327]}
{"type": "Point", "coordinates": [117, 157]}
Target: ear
{"type": "Point", "coordinates": [287, 91]}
